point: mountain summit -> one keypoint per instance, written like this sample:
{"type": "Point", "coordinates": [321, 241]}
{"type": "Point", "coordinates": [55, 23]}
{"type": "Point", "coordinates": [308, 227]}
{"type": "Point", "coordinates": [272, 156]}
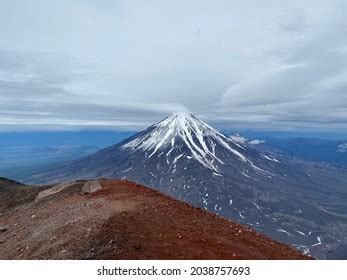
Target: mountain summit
{"type": "Point", "coordinates": [186, 158]}
{"type": "Point", "coordinates": [192, 138]}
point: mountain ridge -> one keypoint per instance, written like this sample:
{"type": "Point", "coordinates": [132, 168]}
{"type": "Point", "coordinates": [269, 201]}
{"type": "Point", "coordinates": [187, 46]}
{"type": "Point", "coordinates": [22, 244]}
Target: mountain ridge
{"type": "Point", "coordinates": [124, 220]}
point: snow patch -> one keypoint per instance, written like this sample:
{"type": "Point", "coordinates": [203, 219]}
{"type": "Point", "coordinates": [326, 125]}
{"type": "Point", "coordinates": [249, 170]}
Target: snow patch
{"type": "Point", "coordinates": [270, 158]}
{"type": "Point", "coordinates": [126, 170]}
{"type": "Point", "coordinates": [240, 214]}
{"type": "Point", "coordinates": [256, 205]}
{"type": "Point", "coordinates": [300, 232]}
{"type": "Point", "coordinates": [284, 231]}
{"type": "Point", "coordinates": [318, 243]}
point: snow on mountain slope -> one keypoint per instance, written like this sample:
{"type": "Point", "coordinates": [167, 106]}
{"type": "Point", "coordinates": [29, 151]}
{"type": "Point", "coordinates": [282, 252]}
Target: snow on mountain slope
{"type": "Point", "coordinates": [200, 139]}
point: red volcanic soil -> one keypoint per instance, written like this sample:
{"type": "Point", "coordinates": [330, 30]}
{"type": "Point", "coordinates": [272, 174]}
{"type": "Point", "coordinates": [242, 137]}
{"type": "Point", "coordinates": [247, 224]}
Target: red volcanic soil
{"type": "Point", "coordinates": [123, 220]}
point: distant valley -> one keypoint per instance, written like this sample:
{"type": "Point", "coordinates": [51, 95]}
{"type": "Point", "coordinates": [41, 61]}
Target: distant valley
{"type": "Point", "coordinates": [19, 162]}
{"type": "Point", "coordinates": [22, 153]}
{"type": "Point", "coordinates": [312, 149]}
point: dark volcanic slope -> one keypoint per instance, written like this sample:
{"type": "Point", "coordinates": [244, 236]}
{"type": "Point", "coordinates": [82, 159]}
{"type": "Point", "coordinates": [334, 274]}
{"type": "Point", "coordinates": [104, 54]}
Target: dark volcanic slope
{"type": "Point", "coordinates": [126, 221]}
{"type": "Point", "coordinates": [13, 193]}
{"type": "Point", "coordinates": [6, 183]}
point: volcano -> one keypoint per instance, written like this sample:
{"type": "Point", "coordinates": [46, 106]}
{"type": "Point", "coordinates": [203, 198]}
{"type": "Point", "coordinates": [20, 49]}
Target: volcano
{"type": "Point", "coordinates": [185, 158]}
{"type": "Point", "coordinates": [179, 145]}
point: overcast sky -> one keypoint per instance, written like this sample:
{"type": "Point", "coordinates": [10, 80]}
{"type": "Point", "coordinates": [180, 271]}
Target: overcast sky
{"type": "Point", "coordinates": [114, 64]}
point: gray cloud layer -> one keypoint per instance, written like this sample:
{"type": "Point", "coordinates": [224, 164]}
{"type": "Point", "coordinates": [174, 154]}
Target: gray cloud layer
{"type": "Point", "coordinates": [124, 64]}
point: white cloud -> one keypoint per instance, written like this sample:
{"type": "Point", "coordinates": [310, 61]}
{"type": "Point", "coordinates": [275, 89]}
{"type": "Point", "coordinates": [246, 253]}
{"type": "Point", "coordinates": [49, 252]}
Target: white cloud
{"type": "Point", "coordinates": [125, 64]}
{"type": "Point", "coordinates": [256, 142]}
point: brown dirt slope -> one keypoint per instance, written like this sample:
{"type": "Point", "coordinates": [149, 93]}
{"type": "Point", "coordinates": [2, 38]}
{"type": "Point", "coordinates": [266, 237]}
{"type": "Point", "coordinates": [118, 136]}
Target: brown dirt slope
{"type": "Point", "coordinates": [123, 220]}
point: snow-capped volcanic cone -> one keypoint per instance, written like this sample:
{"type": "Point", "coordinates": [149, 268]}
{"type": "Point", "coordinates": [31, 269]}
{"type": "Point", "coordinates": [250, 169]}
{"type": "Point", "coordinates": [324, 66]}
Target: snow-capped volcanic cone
{"type": "Point", "coordinates": [186, 158]}
{"type": "Point", "coordinates": [174, 155]}
{"type": "Point", "coordinates": [183, 136]}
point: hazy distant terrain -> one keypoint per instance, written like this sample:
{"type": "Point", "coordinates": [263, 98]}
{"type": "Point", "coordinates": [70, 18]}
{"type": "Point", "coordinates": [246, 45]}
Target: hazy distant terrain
{"type": "Point", "coordinates": [313, 149]}
{"type": "Point", "coordinates": [17, 162]}
{"type": "Point", "coordinates": [23, 152]}
{"type": "Point", "coordinates": [320, 147]}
